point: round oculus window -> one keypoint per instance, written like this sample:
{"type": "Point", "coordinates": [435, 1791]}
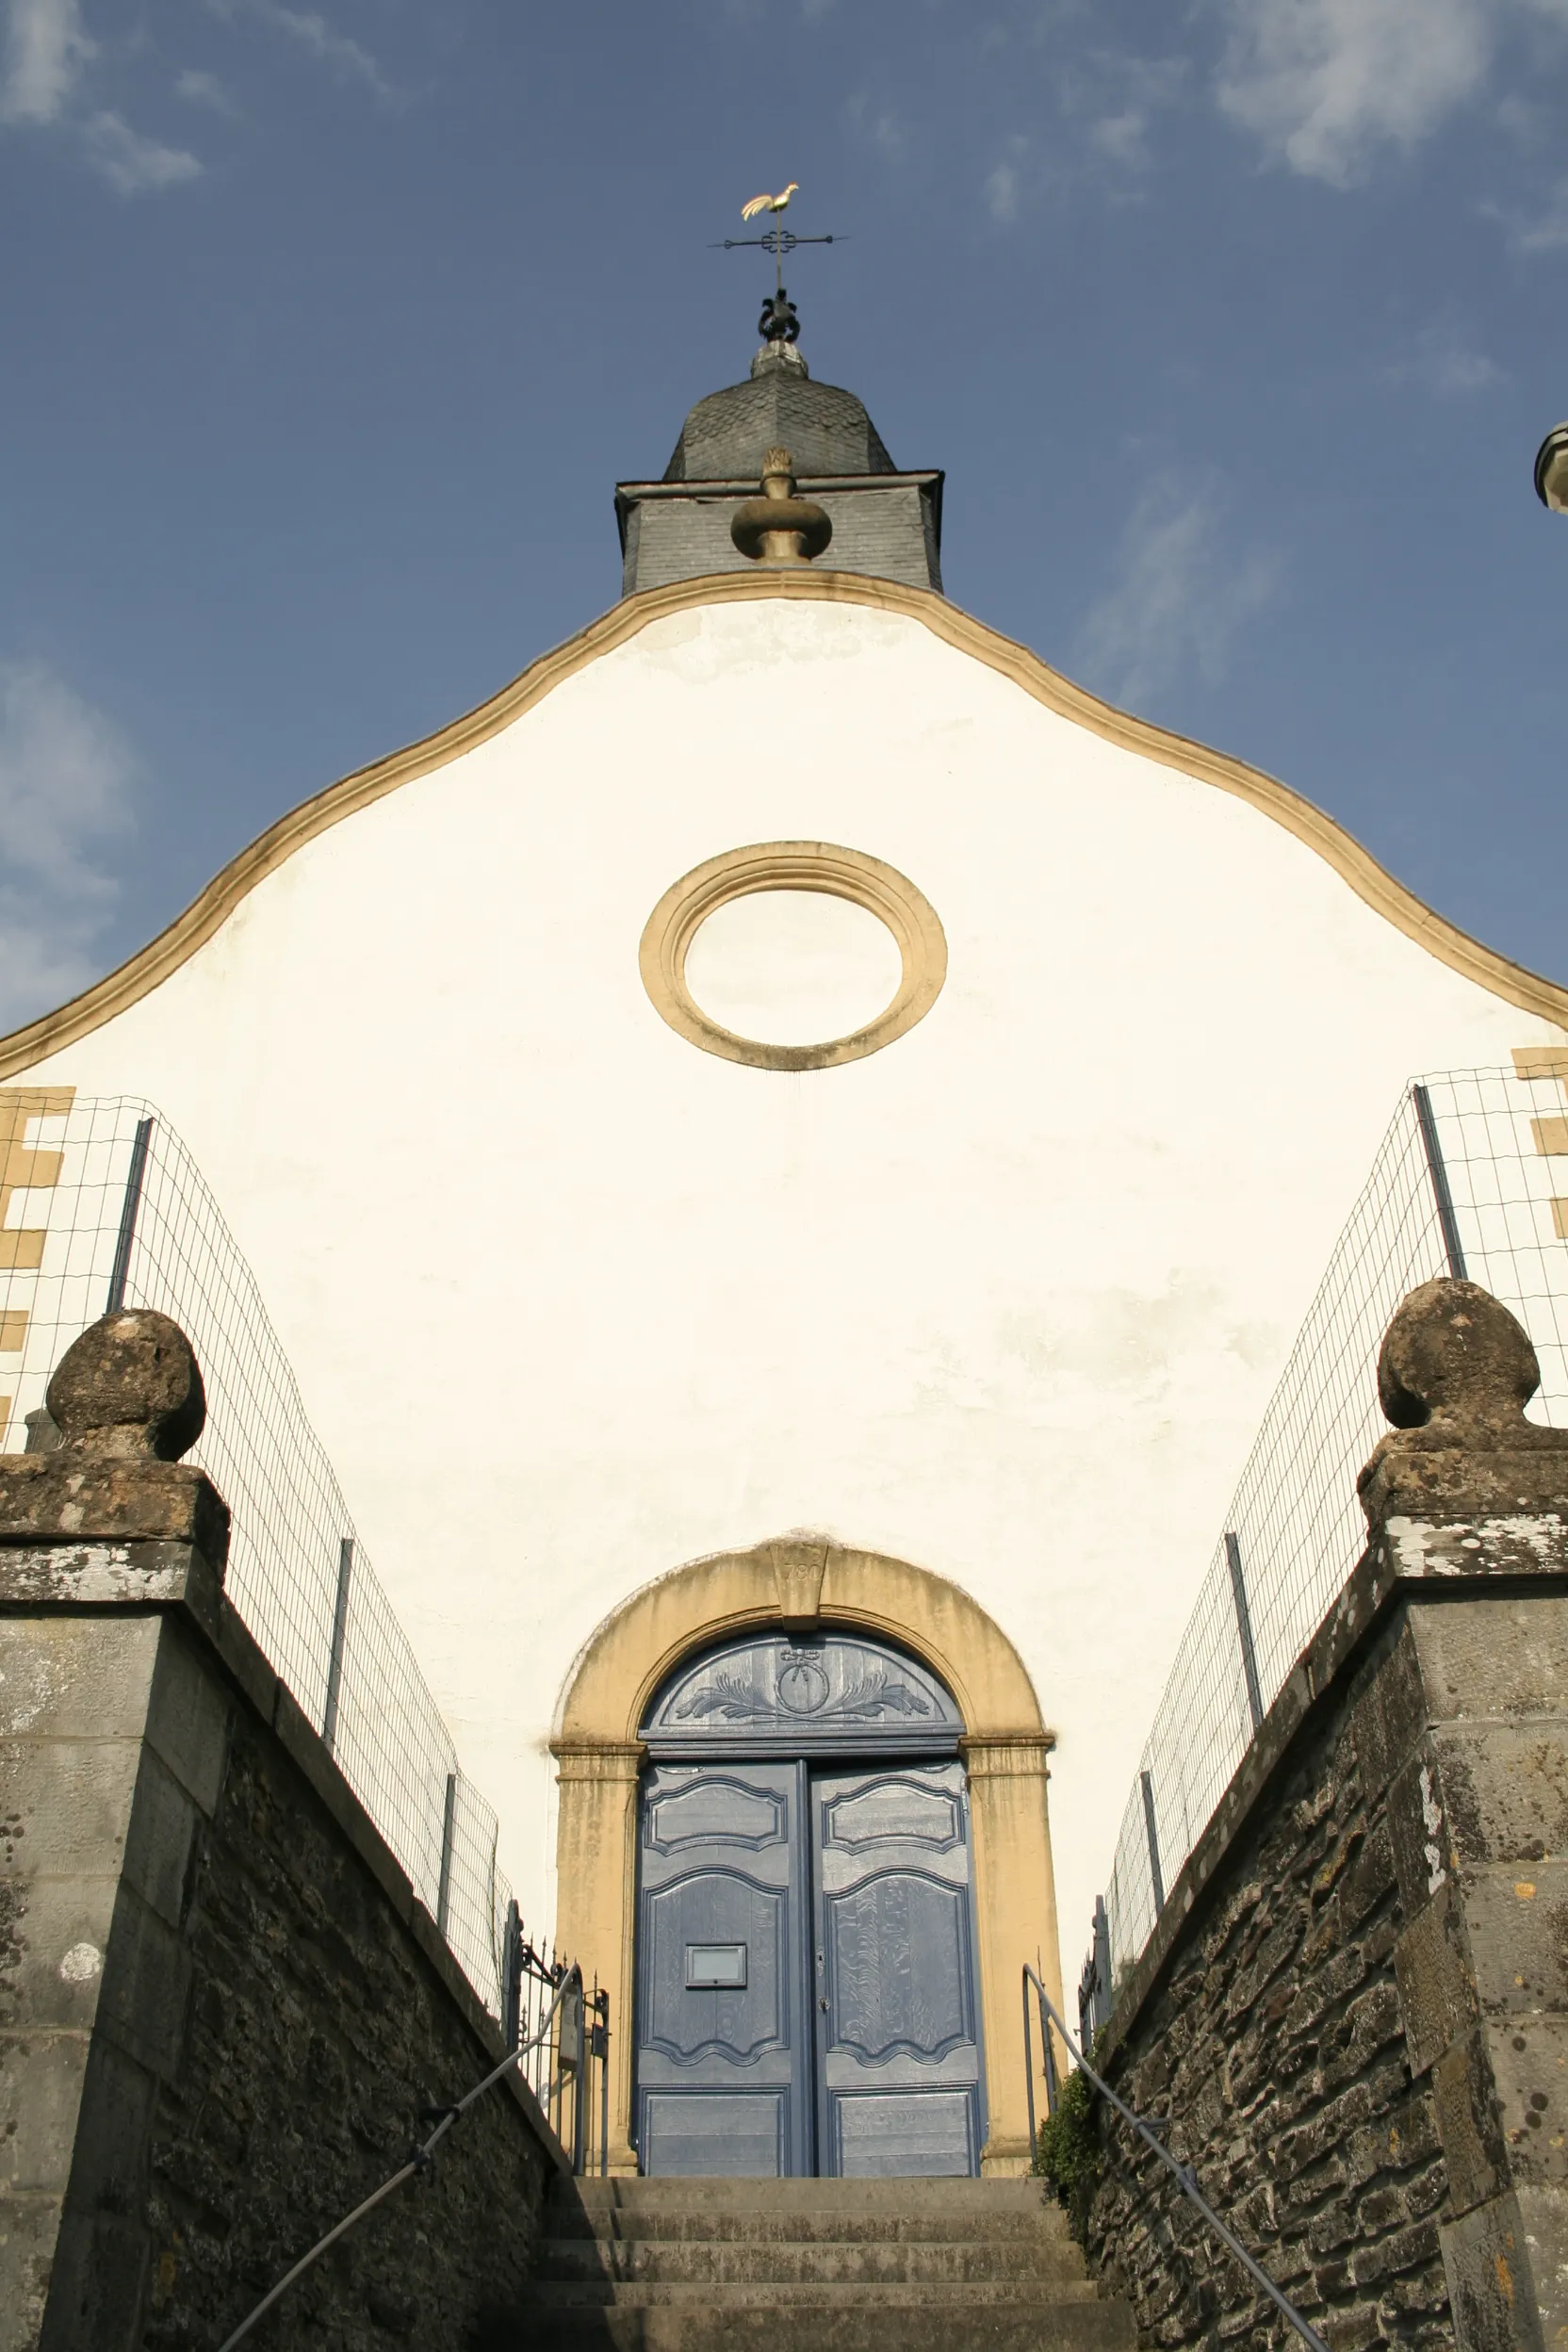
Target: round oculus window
{"type": "Point", "coordinates": [793, 955]}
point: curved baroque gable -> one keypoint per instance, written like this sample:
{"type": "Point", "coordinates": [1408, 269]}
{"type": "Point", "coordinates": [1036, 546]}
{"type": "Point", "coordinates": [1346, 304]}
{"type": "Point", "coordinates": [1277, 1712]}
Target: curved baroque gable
{"type": "Point", "coordinates": [151, 965]}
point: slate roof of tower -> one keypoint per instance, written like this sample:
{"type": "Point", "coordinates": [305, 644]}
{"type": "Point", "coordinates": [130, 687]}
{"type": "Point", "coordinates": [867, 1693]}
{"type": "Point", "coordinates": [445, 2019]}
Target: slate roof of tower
{"type": "Point", "coordinates": [826, 429]}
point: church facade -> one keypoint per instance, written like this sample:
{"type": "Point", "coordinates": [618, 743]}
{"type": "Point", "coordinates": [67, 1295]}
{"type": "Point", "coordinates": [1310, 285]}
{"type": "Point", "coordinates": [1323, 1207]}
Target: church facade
{"type": "Point", "coordinates": [788, 1151]}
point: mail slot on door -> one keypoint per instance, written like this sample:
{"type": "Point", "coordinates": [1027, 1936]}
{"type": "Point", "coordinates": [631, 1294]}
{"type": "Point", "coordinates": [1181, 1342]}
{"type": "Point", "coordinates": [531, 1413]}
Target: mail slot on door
{"type": "Point", "coordinates": [712, 1966]}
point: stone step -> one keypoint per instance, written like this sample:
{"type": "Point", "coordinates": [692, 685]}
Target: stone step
{"type": "Point", "coordinates": [774, 2294]}
{"type": "Point", "coordinates": [1043, 2225]}
{"type": "Point", "coordinates": [901, 2195]}
{"type": "Point", "coordinates": [752, 2265]}
{"type": "Point", "coordinates": [741, 2260]}
{"type": "Point", "coordinates": [1043, 2326]}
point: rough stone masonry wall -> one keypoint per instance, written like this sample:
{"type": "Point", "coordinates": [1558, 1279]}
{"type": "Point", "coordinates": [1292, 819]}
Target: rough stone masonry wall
{"type": "Point", "coordinates": [1352, 2017]}
{"type": "Point", "coordinates": [316, 2030]}
{"type": "Point", "coordinates": [221, 2007]}
{"type": "Point", "coordinates": [1277, 2042]}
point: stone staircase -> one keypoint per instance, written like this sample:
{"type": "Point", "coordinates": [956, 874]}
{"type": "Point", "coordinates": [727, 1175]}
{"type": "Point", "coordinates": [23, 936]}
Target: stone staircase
{"type": "Point", "coordinates": [814, 2267]}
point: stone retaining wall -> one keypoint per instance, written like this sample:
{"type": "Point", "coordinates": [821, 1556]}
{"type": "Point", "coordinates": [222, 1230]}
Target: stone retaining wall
{"type": "Point", "coordinates": [1352, 2017]}
{"type": "Point", "coordinates": [221, 2008]}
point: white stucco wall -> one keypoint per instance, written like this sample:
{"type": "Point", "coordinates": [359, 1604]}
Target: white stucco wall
{"type": "Point", "coordinates": [571, 1302]}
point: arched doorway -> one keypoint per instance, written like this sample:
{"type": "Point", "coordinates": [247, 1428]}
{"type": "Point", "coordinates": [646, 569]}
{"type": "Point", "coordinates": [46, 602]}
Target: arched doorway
{"type": "Point", "coordinates": [806, 1998]}
{"type": "Point", "coordinates": [797, 1584]}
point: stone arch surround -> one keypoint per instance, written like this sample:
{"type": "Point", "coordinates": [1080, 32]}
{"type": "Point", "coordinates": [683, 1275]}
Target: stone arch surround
{"type": "Point", "coordinates": [800, 1582]}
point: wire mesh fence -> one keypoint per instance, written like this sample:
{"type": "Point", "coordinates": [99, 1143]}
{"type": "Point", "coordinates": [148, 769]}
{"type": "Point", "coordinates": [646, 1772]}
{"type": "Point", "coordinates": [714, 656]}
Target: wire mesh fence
{"type": "Point", "coordinates": [1463, 1184]}
{"type": "Point", "coordinates": [102, 1206]}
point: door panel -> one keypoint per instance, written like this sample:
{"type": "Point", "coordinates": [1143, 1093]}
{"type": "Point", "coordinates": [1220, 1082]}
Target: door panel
{"type": "Point", "coordinates": [897, 1968]}
{"type": "Point", "coordinates": [882, 2132]}
{"type": "Point", "coordinates": [722, 2063]}
{"type": "Point", "coordinates": [692, 2010]}
{"type": "Point", "coordinates": [718, 2131]}
{"type": "Point", "coordinates": [898, 2059]}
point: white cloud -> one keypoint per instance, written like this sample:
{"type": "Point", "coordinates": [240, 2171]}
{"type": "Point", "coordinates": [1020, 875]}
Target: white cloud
{"type": "Point", "coordinates": [1325, 84]}
{"type": "Point", "coordinates": [1442, 359]}
{"type": "Point", "coordinates": [1119, 103]}
{"type": "Point", "coordinates": [201, 89]}
{"type": "Point", "coordinates": [1107, 106]}
{"type": "Point", "coordinates": [1005, 182]}
{"type": "Point", "coordinates": [1123, 139]}
{"type": "Point", "coordinates": [311, 32]}
{"type": "Point", "coordinates": [1545, 230]}
{"type": "Point", "coordinates": [878, 127]}
{"type": "Point", "coordinates": [66, 780]}
{"type": "Point", "coordinates": [46, 48]}
{"type": "Point", "coordinates": [134, 166]}
{"type": "Point", "coordinates": [1455, 369]}
{"type": "Point", "coordinates": [1179, 599]}
{"type": "Point", "coordinates": [332, 48]}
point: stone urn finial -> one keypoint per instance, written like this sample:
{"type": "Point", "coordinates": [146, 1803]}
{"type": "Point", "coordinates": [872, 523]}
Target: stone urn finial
{"type": "Point", "coordinates": [129, 1390]}
{"type": "Point", "coordinates": [1454, 1373]}
{"type": "Point", "coordinates": [778, 528]}
{"type": "Point", "coordinates": [1455, 1359]}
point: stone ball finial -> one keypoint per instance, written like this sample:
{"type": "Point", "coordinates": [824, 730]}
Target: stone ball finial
{"type": "Point", "coordinates": [130, 1388]}
{"type": "Point", "coordinates": [1454, 1354]}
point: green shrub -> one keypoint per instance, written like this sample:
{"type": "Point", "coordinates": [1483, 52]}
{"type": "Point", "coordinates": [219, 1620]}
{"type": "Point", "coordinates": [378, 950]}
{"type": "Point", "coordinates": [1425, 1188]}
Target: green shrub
{"type": "Point", "coordinates": [1067, 2150]}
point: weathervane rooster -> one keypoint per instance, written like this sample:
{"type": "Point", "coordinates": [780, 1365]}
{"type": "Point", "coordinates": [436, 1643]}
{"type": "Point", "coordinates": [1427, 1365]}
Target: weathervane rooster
{"type": "Point", "coordinates": [779, 323]}
{"type": "Point", "coordinates": [769, 203]}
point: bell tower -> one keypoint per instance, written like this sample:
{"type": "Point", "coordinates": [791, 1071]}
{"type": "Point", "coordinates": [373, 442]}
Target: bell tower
{"type": "Point", "coordinates": [883, 522]}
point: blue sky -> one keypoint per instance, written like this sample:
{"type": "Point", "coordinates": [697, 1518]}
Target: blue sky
{"type": "Point", "coordinates": [327, 331]}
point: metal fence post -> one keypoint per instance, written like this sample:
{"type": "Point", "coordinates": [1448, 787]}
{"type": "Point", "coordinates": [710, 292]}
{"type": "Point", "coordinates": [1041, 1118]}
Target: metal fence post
{"type": "Point", "coordinates": [1094, 1984]}
{"type": "Point", "coordinates": [129, 1209]}
{"type": "Point", "coordinates": [448, 1830]}
{"type": "Point", "coordinates": [512, 1977]}
{"type": "Point", "coordinates": [1151, 1832]}
{"type": "Point", "coordinates": [571, 2045]}
{"type": "Point", "coordinates": [601, 2051]}
{"type": "Point", "coordinates": [1453, 1248]}
{"type": "Point", "coordinates": [339, 1629]}
{"type": "Point", "coordinates": [1244, 1628]}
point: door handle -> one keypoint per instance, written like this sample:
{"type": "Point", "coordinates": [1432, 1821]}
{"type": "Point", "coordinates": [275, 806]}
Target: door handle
{"type": "Point", "coordinates": [822, 2002]}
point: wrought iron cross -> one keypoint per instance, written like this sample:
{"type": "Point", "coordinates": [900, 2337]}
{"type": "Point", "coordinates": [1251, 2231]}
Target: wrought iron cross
{"type": "Point", "coordinates": [779, 323]}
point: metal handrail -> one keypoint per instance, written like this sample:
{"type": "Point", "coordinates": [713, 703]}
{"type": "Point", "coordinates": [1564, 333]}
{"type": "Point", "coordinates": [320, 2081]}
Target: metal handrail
{"type": "Point", "coordinates": [1050, 2055]}
{"type": "Point", "coordinates": [419, 2156]}
{"type": "Point", "coordinates": [1187, 2178]}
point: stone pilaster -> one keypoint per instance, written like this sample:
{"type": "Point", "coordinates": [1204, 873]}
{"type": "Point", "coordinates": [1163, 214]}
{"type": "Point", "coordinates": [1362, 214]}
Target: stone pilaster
{"type": "Point", "coordinates": [1015, 1914]}
{"type": "Point", "coordinates": [595, 1869]}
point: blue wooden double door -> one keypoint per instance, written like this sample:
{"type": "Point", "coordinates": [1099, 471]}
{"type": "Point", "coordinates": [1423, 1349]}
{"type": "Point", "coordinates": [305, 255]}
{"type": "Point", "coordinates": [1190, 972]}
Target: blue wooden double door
{"type": "Point", "coordinates": [806, 1997]}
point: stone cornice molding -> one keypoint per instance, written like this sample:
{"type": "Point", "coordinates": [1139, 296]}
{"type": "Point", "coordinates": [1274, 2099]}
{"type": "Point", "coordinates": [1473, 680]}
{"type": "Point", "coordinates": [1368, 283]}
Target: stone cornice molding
{"type": "Point", "coordinates": [24, 1049]}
